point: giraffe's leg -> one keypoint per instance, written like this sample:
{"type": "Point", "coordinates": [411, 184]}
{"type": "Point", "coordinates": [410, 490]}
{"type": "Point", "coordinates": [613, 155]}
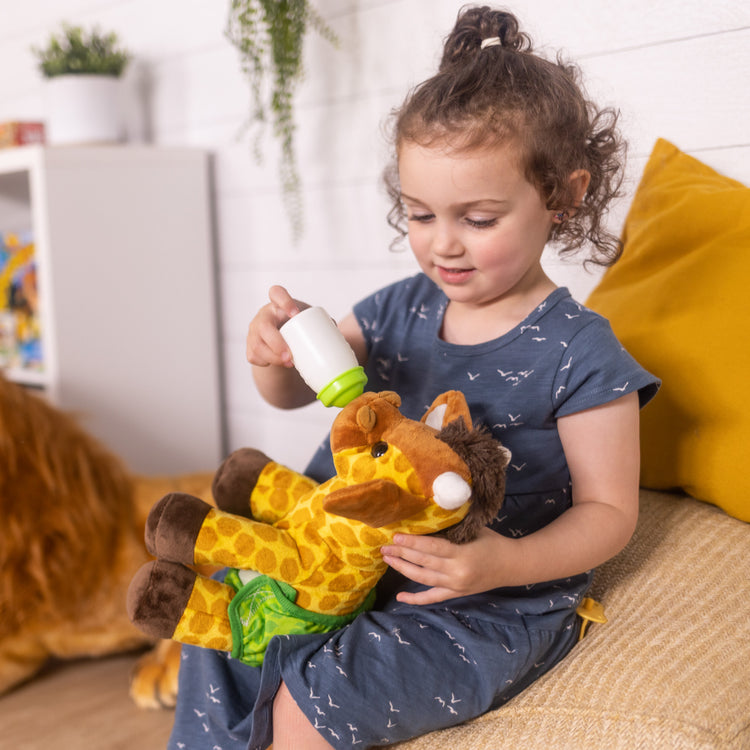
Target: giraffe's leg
{"type": "Point", "coordinates": [250, 484]}
{"type": "Point", "coordinates": [168, 600]}
{"type": "Point", "coordinates": [235, 479]}
{"type": "Point", "coordinates": [173, 525]}
{"type": "Point", "coordinates": [183, 529]}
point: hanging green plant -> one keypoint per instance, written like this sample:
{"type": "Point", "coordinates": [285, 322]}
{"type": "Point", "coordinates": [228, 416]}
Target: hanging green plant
{"type": "Point", "coordinates": [269, 35]}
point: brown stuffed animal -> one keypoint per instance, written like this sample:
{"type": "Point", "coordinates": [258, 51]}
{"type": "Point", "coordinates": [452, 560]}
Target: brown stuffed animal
{"type": "Point", "coordinates": [305, 557]}
{"type": "Point", "coordinates": [71, 540]}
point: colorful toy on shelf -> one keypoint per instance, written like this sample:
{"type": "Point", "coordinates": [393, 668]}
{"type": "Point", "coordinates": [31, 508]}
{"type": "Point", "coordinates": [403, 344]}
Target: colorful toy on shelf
{"type": "Point", "coordinates": [20, 338]}
{"type": "Point", "coordinates": [17, 133]}
{"type": "Point", "coordinates": [305, 557]}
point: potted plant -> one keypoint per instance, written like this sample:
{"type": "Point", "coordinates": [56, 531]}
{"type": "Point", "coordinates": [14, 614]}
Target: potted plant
{"type": "Point", "coordinates": [83, 77]}
{"type": "Point", "coordinates": [269, 36]}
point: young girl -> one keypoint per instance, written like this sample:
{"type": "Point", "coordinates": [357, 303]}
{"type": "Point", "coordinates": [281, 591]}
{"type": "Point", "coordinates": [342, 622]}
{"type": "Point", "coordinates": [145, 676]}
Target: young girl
{"type": "Point", "coordinates": [496, 155]}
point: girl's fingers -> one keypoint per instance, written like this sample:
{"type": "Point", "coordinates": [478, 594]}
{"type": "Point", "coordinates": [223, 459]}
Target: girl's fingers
{"type": "Point", "coordinates": [430, 596]}
{"type": "Point", "coordinates": [286, 306]}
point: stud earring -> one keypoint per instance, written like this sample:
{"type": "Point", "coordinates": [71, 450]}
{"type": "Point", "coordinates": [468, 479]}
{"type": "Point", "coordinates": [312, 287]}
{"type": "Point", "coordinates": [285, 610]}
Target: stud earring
{"type": "Point", "coordinates": [561, 216]}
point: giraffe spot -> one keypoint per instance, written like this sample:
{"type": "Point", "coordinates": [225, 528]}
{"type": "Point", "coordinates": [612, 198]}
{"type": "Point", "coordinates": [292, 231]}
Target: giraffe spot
{"type": "Point", "coordinates": [301, 516]}
{"type": "Point", "coordinates": [216, 589]}
{"type": "Point", "coordinates": [227, 526]}
{"type": "Point", "coordinates": [278, 500]}
{"type": "Point", "coordinates": [197, 601]}
{"type": "Point", "coordinates": [344, 534]}
{"type": "Point", "coordinates": [218, 608]}
{"type": "Point", "coordinates": [219, 644]}
{"type": "Point", "coordinates": [420, 529]}
{"type": "Point", "coordinates": [413, 484]}
{"type": "Point", "coordinates": [350, 602]}
{"type": "Point", "coordinates": [311, 535]}
{"type": "Point", "coordinates": [307, 557]}
{"type": "Point", "coordinates": [363, 469]}
{"type": "Point", "coordinates": [336, 549]}
{"type": "Point", "coordinates": [200, 623]}
{"type": "Point", "coordinates": [371, 538]}
{"type": "Point", "coordinates": [329, 602]}
{"type": "Point", "coordinates": [265, 561]}
{"type": "Point", "coordinates": [224, 557]}
{"type": "Point", "coordinates": [207, 539]}
{"type": "Point", "coordinates": [370, 577]}
{"type": "Point", "coordinates": [315, 580]}
{"type": "Point", "coordinates": [282, 479]}
{"type": "Point", "coordinates": [344, 582]}
{"type": "Point", "coordinates": [401, 463]}
{"type": "Point", "coordinates": [288, 542]}
{"type": "Point", "coordinates": [303, 599]}
{"type": "Point", "coordinates": [266, 533]}
{"type": "Point", "coordinates": [244, 545]}
{"type": "Point", "coordinates": [332, 565]}
{"type": "Point", "coordinates": [289, 570]}
{"type": "Point", "coordinates": [318, 522]}
{"type": "Point", "coordinates": [302, 487]}
{"type": "Point", "coordinates": [439, 512]}
{"type": "Point", "coordinates": [359, 561]}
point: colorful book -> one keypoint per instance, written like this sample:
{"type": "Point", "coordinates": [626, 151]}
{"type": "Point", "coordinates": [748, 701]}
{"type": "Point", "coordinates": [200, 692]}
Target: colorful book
{"type": "Point", "coordinates": [20, 333]}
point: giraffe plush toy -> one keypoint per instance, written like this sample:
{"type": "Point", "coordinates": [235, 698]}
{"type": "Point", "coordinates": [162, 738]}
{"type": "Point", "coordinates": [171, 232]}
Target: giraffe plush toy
{"type": "Point", "coordinates": [305, 557]}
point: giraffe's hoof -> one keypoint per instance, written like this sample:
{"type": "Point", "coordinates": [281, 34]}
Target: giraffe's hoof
{"type": "Point", "coordinates": [173, 525]}
{"type": "Point", "coordinates": [235, 479]}
{"type": "Point", "coordinates": [158, 595]}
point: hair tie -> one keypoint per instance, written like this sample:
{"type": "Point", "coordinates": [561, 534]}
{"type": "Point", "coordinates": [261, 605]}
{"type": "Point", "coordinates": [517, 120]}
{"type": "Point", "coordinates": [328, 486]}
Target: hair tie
{"type": "Point", "coordinates": [490, 41]}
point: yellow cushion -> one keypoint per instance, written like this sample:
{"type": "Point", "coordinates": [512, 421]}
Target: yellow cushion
{"type": "Point", "coordinates": [679, 301]}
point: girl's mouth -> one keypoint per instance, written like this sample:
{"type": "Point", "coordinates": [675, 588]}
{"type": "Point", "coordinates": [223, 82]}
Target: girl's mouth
{"type": "Point", "coordinates": [455, 275]}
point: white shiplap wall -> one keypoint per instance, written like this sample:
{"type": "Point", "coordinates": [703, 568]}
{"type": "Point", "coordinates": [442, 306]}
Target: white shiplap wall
{"type": "Point", "coordinates": [677, 69]}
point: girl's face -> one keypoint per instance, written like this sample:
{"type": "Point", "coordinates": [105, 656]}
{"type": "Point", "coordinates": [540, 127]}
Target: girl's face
{"type": "Point", "coordinates": [476, 225]}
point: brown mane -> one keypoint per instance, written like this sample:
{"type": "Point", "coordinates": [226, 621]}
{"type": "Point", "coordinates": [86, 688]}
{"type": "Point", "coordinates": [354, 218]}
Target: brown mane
{"type": "Point", "coordinates": [486, 460]}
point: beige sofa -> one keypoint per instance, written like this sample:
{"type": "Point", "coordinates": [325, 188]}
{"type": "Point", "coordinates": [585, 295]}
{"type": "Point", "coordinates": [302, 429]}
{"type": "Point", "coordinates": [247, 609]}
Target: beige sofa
{"type": "Point", "coordinates": [669, 670]}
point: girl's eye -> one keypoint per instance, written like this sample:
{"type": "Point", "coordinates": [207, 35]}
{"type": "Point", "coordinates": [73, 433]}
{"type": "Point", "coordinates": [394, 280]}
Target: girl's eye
{"type": "Point", "coordinates": [481, 223]}
{"type": "Point", "coordinates": [421, 218]}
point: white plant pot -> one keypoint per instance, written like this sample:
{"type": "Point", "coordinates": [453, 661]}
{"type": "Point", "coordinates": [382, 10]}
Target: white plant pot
{"type": "Point", "coordinates": [84, 109]}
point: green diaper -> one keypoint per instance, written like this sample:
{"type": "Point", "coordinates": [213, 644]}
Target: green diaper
{"type": "Point", "coordinates": [264, 607]}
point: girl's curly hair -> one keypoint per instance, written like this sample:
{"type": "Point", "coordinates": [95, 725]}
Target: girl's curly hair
{"type": "Point", "coordinates": [506, 93]}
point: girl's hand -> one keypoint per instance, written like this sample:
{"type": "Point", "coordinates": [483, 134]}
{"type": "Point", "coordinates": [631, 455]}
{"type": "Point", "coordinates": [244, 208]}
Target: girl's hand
{"type": "Point", "coordinates": [264, 344]}
{"type": "Point", "coordinates": [452, 570]}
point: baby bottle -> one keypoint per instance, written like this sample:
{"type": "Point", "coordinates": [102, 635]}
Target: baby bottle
{"type": "Point", "coordinates": [323, 357]}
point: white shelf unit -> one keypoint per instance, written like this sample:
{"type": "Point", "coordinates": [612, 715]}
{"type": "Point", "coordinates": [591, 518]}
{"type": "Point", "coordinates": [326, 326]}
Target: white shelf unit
{"type": "Point", "coordinates": [126, 284]}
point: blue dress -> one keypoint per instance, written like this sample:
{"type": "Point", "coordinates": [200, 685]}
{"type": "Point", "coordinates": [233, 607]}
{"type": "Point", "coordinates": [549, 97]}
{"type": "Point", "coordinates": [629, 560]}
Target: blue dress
{"type": "Point", "coordinates": [403, 670]}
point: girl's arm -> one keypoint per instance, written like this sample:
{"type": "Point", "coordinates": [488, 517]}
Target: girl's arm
{"type": "Point", "coordinates": [602, 450]}
{"type": "Point", "coordinates": [273, 370]}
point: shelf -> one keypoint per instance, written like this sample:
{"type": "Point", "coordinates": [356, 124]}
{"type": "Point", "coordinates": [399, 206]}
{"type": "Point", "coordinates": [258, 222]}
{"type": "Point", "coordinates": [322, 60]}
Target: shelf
{"type": "Point", "coordinates": [125, 275]}
{"type": "Point", "coordinates": [28, 378]}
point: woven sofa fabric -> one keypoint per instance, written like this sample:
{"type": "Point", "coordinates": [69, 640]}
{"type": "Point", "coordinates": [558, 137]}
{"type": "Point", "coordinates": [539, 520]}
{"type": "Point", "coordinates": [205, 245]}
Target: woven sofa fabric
{"type": "Point", "coordinates": [671, 669]}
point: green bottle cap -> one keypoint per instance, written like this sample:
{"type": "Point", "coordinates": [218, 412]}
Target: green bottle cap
{"type": "Point", "coordinates": [344, 388]}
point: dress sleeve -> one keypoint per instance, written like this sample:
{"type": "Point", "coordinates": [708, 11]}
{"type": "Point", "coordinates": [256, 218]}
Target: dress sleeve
{"type": "Point", "coordinates": [595, 369]}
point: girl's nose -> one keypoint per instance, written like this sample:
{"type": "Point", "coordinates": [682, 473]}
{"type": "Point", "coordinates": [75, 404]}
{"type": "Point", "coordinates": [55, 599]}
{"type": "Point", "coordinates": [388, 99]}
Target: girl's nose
{"type": "Point", "coordinates": [445, 242]}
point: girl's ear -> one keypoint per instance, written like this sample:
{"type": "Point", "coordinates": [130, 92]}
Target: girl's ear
{"type": "Point", "coordinates": [579, 182]}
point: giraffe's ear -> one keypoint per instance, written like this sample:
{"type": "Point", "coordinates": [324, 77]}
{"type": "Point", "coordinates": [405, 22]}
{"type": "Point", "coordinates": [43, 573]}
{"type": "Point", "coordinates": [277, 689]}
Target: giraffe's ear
{"type": "Point", "coordinates": [445, 408]}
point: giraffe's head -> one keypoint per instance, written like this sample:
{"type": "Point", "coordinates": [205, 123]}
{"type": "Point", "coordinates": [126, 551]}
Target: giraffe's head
{"type": "Point", "coordinates": [420, 477]}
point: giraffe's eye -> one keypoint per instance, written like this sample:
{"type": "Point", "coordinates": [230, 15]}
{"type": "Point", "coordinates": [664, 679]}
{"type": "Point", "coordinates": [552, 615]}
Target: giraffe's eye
{"type": "Point", "coordinates": [379, 449]}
